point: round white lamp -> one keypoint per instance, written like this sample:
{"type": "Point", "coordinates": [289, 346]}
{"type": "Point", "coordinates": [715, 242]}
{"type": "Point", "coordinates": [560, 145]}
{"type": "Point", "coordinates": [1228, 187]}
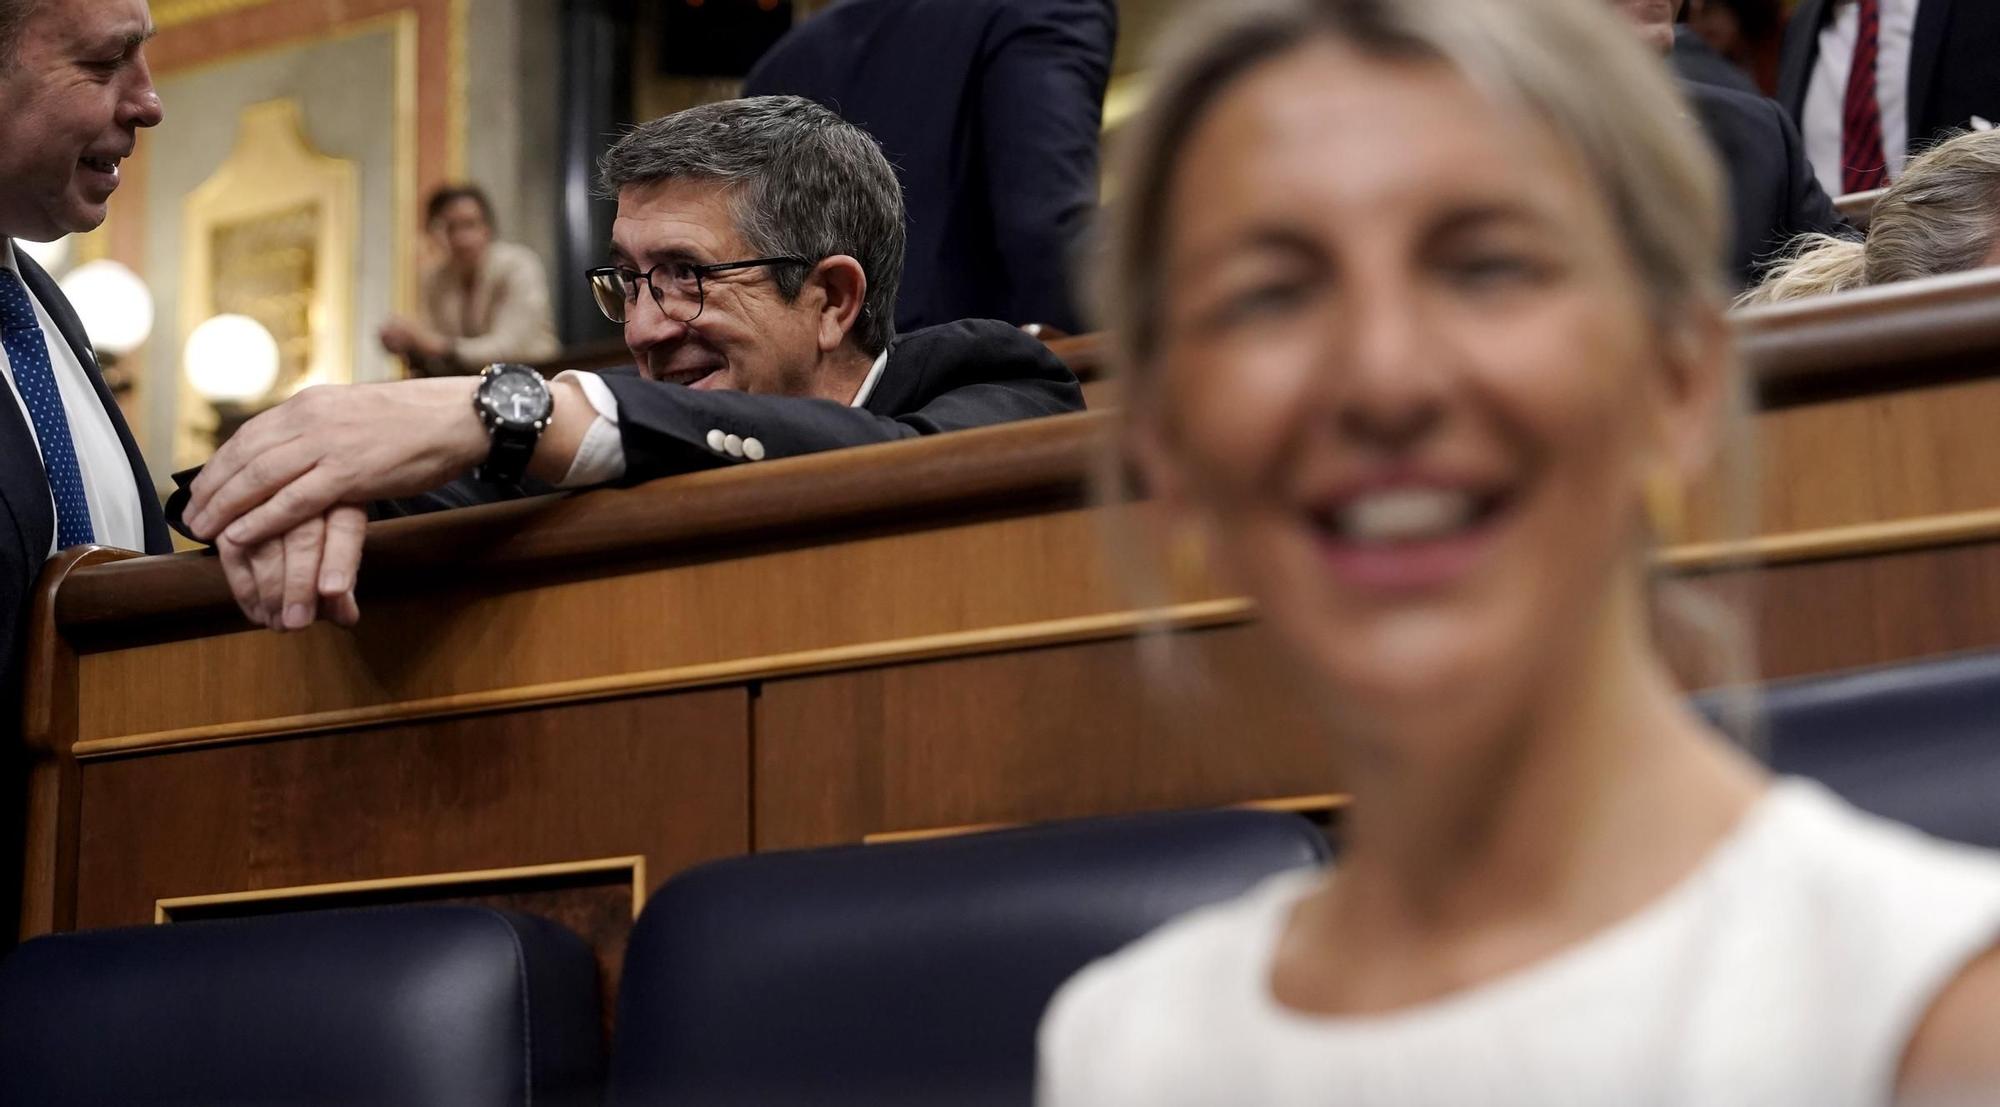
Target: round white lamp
{"type": "Point", "coordinates": [231, 359]}
{"type": "Point", "coordinates": [114, 304]}
{"type": "Point", "coordinates": [48, 255]}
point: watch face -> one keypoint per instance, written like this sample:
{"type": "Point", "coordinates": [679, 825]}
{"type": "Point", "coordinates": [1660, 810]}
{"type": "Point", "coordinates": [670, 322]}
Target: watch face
{"type": "Point", "coordinates": [516, 396]}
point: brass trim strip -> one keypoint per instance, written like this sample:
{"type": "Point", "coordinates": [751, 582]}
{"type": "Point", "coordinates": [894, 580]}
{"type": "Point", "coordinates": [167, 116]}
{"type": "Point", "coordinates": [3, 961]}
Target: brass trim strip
{"type": "Point", "coordinates": [921, 648]}
{"type": "Point", "coordinates": [636, 865]}
{"type": "Point", "coordinates": [1836, 542]}
{"type": "Point", "coordinates": [1321, 803]}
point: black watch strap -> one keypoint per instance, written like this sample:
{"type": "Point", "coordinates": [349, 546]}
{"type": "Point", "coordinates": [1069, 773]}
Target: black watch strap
{"type": "Point", "coordinates": [507, 461]}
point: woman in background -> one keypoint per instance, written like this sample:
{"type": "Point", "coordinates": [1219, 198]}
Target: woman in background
{"type": "Point", "coordinates": [1941, 216]}
{"type": "Point", "coordinates": [1415, 299]}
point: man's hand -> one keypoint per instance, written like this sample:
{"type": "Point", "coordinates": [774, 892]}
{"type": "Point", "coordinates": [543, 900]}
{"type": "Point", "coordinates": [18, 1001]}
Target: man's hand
{"type": "Point", "coordinates": [335, 444]}
{"type": "Point", "coordinates": [309, 572]}
{"type": "Point", "coordinates": [406, 338]}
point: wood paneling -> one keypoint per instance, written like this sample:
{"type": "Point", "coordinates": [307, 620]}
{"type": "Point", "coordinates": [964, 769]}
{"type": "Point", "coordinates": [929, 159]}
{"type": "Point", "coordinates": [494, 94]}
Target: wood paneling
{"type": "Point", "coordinates": [1126, 725]}
{"type": "Point", "coordinates": [661, 777]}
{"type": "Point", "coordinates": [1815, 617]}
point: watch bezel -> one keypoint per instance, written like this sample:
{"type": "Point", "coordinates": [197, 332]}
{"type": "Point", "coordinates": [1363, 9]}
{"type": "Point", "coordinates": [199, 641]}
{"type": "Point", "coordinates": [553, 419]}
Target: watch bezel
{"type": "Point", "coordinates": [490, 413]}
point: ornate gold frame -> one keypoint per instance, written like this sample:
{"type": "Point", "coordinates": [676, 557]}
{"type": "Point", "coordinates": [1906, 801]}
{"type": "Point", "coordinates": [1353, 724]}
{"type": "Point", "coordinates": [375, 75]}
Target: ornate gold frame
{"type": "Point", "coordinates": [273, 169]}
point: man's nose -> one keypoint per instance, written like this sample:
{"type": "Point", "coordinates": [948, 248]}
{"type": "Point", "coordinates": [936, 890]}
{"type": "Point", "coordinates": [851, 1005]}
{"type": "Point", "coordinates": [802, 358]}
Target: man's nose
{"type": "Point", "coordinates": [648, 326]}
{"type": "Point", "coordinates": [141, 106]}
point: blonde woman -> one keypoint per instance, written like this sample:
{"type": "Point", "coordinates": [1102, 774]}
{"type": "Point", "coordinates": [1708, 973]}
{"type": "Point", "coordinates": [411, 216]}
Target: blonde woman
{"type": "Point", "coordinates": [1941, 216]}
{"type": "Point", "coordinates": [1414, 299]}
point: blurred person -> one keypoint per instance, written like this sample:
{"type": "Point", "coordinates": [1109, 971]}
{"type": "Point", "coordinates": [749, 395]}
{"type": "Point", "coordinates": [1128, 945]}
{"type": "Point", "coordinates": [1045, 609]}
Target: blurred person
{"type": "Point", "coordinates": [754, 263]}
{"type": "Point", "coordinates": [1933, 75]}
{"type": "Point", "coordinates": [1774, 197]}
{"type": "Point", "coordinates": [1712, 46]}
{"type": "Point", "coordinates": [1941, 216]}
{"type": "Point", "coordinates": [1414, 301]}
{"type": "Point", "coordinates": [487, 301]}
{"type": "Point", "coordinates": [990, 110]}
{"type": "Point", "coordinates": [75, 90]}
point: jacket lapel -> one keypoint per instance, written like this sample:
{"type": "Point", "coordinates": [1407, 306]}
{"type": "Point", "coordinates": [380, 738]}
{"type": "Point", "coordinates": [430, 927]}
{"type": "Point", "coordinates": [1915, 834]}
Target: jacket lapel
{"type": "Point", "coordinates": [23, 485]}
{"type": "Point", "coordinates": [1926, 45]}
{"type": "Point", "coordinates": [58, 307]}
{"type": "Point", "coordinates": [1801, 51]}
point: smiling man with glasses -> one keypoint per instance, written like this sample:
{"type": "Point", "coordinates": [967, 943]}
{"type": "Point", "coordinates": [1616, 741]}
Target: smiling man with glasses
{"type": "Point", "coordinates": [754, 266]}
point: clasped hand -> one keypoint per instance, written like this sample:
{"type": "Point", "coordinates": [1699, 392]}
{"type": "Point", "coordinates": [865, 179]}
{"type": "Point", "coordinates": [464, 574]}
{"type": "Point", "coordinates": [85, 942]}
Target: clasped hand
{"type": "Point", "coordinates": [280, 500]}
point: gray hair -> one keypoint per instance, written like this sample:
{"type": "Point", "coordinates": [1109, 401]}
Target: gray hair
{"type": "Point", "coordinates": [13, 16]}
{"type": "Point", "coordinates": [802, 181]}
{"type": "Point", "coordinates": [1941, 216]}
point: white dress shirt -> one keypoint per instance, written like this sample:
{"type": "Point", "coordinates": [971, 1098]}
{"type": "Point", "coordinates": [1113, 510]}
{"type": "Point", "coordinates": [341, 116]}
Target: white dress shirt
{"type": "Point", "coordinates": [1826, 89]}
{"type": "Point", "coordinates": [108, 482]}
{"type": "Point", "coordinates": [601, 456]}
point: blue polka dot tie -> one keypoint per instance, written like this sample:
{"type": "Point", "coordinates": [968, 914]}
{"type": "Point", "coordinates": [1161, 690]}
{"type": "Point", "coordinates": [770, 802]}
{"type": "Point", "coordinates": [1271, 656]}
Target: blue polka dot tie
{"type": "Point", "coordinates": [35, 379]}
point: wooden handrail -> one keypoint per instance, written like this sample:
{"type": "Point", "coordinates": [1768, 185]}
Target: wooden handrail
{"type": "Point", "coordinates": [1877, 340]}
{"type": "Point", "coordinates": [1031, 466]}
{"type": "Point", "coordinates": [1874, 340]}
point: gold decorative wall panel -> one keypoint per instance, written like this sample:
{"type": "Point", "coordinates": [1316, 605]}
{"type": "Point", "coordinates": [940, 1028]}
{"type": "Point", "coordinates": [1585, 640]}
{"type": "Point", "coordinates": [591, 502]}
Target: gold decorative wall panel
{"type": "Point", "coordinates": [271, 234]}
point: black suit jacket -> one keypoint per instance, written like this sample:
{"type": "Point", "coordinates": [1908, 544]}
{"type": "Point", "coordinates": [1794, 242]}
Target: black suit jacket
{"type": "Point", "coordinates": [972, 373]}
{"type": "Point", "coordinates": [1954, 65]}
{"type": "Point", "coordinates": [27, 517]}
{"type": "Point", "coordinates": [990, 110]}
{"type": "Point", "coordinates": [1693, 59]}
{"type": "Point", "coordinates": [1774, 196]}
{"type": "Point", "coordinates": [27, 527]}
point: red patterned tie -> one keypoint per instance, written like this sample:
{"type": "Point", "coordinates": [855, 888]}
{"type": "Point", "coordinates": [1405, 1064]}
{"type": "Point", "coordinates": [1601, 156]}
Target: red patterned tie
{"type": "Point", "coordinates": [1862, 165]}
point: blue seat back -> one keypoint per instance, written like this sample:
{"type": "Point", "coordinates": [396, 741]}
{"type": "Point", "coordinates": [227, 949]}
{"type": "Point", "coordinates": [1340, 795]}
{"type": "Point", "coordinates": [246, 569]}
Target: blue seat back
{"type": "Point", "coordinates": [906, 974]}
{"type": "Point", "coordinates": [1916, 742]}
{"type": "Point", "coordinates": [419, 1006]}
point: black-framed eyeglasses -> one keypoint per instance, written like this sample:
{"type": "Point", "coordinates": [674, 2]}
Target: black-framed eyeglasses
{"type": "Point", "coordinates": [677, 286]}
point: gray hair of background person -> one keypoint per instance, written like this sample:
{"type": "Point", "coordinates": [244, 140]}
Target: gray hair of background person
{"type": "Point", "coordinates": [803, 181]}
{"type": "Point", "coordinates": [13, 16]}
{"type": "Point", "coordinates": [1566, 61]}
{"type": "Point", "coordinates": [1941, 216]}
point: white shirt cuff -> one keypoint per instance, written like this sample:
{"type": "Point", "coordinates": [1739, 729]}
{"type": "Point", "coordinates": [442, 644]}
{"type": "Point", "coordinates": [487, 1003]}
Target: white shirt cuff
{"type": "Point", "coordinates": [600, 459]}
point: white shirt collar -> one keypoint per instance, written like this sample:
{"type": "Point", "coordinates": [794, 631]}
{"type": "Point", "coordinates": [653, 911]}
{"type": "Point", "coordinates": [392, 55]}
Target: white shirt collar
{"type": "Point", "coordinates": [874, 374]}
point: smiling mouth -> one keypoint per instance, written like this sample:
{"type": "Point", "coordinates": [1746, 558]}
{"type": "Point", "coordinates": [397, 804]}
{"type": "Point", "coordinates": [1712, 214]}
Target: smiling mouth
{"type": "Point", "coordinates": [1397, 517]}
{"type": "Point", "coordinates": [689, 377]}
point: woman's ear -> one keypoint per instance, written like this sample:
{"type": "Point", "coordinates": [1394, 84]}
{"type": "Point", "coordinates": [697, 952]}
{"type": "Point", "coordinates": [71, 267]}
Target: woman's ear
{"type": "Point", "coordinates": [843, 286]}
{"type": "Point", "coordinates": [1694, 390]}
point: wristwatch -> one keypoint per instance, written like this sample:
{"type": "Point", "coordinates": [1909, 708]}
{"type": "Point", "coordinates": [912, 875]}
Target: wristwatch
{"type": "Point", "coordinates": [514, 403]}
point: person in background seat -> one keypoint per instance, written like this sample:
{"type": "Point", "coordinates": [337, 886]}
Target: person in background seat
{"type": "Point", "coordinates": [1415, 300]}
{"type": "Point", "coordinates": [754, 264]}
{"type": "Point", "coordinates": [990, 110]}
{"type": "Point", "coordinates": [1941, 216]}
{"type": "Point", "coordinates": [487, 300]}
{"type": "Point", "coordinates": [1773, 194]}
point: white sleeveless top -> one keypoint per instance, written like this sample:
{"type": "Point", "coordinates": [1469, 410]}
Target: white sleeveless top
{"type": "Point", "coordinates": [1790, 969]}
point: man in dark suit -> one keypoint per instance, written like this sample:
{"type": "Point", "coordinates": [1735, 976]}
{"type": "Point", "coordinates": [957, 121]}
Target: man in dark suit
{"type": "Point", "coordinates": [1695, 60]}
{"type": "Point", "coordinates": [1773, 195]}
{"type": "Point", "coordinates": [74, 91]}
{"type": "Point", "coordinates": [1936, 71]}
{"type": "Point", "coordinates": [990, 110]}
{"type": "Point", "coordinates": [755, 260]}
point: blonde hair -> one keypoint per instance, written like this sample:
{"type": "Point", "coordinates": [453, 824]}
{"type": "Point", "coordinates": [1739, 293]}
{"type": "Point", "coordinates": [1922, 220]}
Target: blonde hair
{"type": "Point", "coordinates": [1941, 216]}
{"type": "Point", "coordinates": [1571, 62]}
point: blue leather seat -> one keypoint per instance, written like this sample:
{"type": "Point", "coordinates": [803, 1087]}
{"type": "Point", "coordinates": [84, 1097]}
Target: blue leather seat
{"type": "Point", "coordinates": [906, 974]}
{"type": "Point", "coordinates": [430, 1006]}
{"type": "Point", "coordinates": [1916, 742]}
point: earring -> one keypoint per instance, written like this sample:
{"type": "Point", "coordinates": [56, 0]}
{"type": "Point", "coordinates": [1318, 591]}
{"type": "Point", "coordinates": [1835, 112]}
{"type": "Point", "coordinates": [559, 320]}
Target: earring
{"type": "Point", "coordinates": [1666, 505]}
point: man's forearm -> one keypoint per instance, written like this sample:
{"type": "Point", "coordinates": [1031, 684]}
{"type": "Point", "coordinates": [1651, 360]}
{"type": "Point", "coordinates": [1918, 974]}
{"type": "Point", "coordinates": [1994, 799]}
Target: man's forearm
{"type": "Point", "coordinates": [568, 423]}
